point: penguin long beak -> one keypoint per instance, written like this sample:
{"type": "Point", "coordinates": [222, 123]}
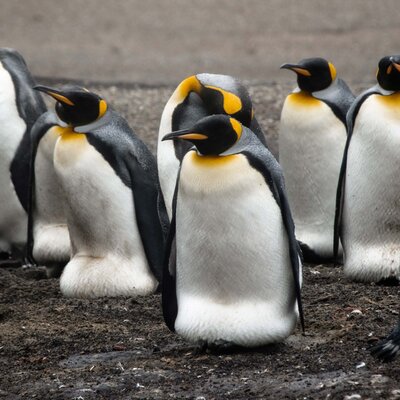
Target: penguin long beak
{"type": "Point", "coordinates": [296, 68]}
{"type": "Point", "coordinates": [185, 134]}
{"type": "Point", "coordinates": [55, 93]}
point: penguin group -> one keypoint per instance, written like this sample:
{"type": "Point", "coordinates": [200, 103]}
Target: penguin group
{"type": "Point", "coordinates": [214, 222]}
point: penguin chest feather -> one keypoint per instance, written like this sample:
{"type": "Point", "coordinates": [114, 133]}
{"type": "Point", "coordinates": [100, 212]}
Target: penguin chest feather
{"type": "Point", "coordinates": [311, 144]}
{"type": "Point", "coordinates": [372, 188]}
{"type": "Point", "coordinates": [12, 128]}
{"type": "Point", "coordinates": [100, 208]}
{"type": "Point", "coordinates": [232, 253]}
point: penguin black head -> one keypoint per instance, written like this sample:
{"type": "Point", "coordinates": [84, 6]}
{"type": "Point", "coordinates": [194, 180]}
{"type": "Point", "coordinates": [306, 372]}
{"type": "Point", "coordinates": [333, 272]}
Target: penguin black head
{"type": "Point", "coordinates": [313, 74]}
{"type": "Point", "coordinates": [211, 135]}
{"type": "Point", "coordinates": [388, 74]}
{"type": "Point", "coordinates": [75, 105]}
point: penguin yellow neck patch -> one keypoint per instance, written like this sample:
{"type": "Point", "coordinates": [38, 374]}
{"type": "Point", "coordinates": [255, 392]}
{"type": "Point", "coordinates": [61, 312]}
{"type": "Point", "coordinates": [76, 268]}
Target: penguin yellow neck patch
{"type": "Point", "coordinates": [232, 103]}
{"type": "Point", "coordinates": [303, 99]}
{"type": "Point", "coordinates": [67, 133]}
{"type": "Point", "coordinates": [190, 84]}
{"type": "Point", "coordinates": [391, 104]}
{"type": "Point", "coordinates": [212, 161]}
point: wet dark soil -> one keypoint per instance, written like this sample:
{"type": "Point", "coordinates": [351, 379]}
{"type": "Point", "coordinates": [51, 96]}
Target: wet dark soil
{"type": "Point", "coordinates": [119, 348]}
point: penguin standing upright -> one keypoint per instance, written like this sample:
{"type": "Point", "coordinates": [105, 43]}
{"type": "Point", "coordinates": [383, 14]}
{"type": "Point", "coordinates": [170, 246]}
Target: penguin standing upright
{"type": "Point", "coordinates": [368, 213]}
{"type": "Point", "coordinates": [20, 106]}
{"type": "Point", "coordinates": [196, 97]}
{"type": "Point", "coordinates": [48, 236]}
{"type": "Point", "coordinates": [311, 141]}
{"type": "Point", "coordinates": [234, 270]}
{"type": "Point", "coordinates": [109, 180]}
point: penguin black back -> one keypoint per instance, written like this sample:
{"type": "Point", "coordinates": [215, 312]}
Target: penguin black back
{"type": "Point", "coordinates": [30, 106]}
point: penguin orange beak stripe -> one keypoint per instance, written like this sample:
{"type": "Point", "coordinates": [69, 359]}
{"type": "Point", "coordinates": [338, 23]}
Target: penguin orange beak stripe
{"type": "Point", "coordinates": [56, 94]}
{"type": "Point", "coordinates": [296, 68]}
{"type": "Point", "coordinates": [185, 134]}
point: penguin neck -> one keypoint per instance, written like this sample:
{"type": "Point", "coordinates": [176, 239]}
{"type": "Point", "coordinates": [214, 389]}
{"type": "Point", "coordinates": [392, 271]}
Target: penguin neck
{"type": "Point", "coordinates": [95, 124]}
{"type": "Point", "coordinates": [383, 91]}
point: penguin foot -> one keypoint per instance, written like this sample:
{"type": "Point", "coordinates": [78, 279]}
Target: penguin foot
{"type": "Point", "coordinates": [218, 347]}
{"type": "Point", "coordinates": [387, 349]}
{"type": "Point", "coordinates": [390, 281]}
{"type": "Point", "coordinates": [200, 348]}
{"type": "Point", "coordinates": [54, 270]}
{"type": "Point", "coordinates": [4, 255]}
{"type": "Point", "coordinates": [310, 256]}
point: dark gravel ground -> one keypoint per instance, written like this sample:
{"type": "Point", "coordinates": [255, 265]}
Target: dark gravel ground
{"type": "Point", "coordinates": [118, 348]}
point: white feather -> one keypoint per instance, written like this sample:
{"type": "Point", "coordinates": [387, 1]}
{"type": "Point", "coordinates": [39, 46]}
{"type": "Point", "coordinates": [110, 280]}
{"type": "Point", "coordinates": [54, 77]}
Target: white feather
{"type": "Point", "coordinates": [108, 258]}
{"type": "Point", "coordinates": [371, 214]}
{"type": "Point", "coordinates": [13, 218]}
{"type": "Point", "coordinates": [234, 279]}
{"type": "Point", "coordinates": [311, 144]}
{"type": "Point", "coordinates": [51, 237]}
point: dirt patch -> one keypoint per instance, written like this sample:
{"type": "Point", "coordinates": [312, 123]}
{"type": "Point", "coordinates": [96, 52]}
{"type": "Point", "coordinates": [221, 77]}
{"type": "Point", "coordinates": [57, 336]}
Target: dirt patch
{"type": "Point", "coordinates": [119, 348]}
{"type": "Point", "coordinates": [58, 348]}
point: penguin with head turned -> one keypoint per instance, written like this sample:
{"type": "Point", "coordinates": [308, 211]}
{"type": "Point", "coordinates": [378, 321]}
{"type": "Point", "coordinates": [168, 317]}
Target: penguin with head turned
{"type": "Point", "coordinates": [233, 272]}
{"type": "Point", "coordinates": [196, 97]}
{"type": "Point", "coordinates": [112, 200]}
{"type": "Point", "coordinates": [312, 137]}
{"type": "Point", "coordinates": [20, 106]}
{"type": "Point", "coordinates": [368, 214]}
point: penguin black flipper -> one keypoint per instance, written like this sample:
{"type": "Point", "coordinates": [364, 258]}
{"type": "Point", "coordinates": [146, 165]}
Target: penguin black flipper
{"type": "Point", "coordinates": [387, 349]}
{"type": "Point", "coordinates": [264, 162]}
{"type": "Point", "coordinates": [169, 299]}
{"type": "Point", "coordinates": [338, 97]}
{"type": "Point", "coordinates": [133, 162]}
{"type": "Point", "coordinates": [30, 106]}
{"type": "Point", "coordinates": [41, 126]}
{"type": "Point", "coordinates": [350, 119]}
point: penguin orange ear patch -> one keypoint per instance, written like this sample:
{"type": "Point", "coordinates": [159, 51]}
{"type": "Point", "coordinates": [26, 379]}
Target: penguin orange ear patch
{"type": "Point", "coordinates": [237, 126]}
{"type": "Point", "coordinates": [102, 108]}
{"type": "Point", "coordinates": [232, 103]}
{"type": "Point", "coordinates": [332, 69]}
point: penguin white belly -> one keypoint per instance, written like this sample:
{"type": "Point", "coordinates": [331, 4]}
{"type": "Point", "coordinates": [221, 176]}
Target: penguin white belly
{"type": "Point", "coordinates": [51, 237]}
{"type": "Point", "coordinates": [108, 258]}
{"type": "Point", "coordinates": [311, 144]}
{"type": "Point", "coordinates": [234, 278]}
{"type": "Point", "coordinates": [371, 214]}
{"type": "Point", "coordinates": [168, 164]}
{"type": "Point", "coordinates": [13, 218]}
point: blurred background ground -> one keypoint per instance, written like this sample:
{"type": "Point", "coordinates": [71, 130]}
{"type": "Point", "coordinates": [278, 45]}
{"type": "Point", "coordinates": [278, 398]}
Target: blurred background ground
{"type": "Point", "coordinates": [158, 42]}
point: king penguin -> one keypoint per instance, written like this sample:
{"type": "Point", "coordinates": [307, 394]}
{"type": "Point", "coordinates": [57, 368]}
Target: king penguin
{"type": "Point", "coordinates": [368, 214]}
{"type": "Point", "coordinates": [233, 273]}
{"type": "Point", "coordinates": [20, 106]}
{"type": "Point", "coordinates": [113, 208]}
{"type": "Point", "coordinates": [196, 97]}
{"type": "Point", "coordinates": [311, 142]}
